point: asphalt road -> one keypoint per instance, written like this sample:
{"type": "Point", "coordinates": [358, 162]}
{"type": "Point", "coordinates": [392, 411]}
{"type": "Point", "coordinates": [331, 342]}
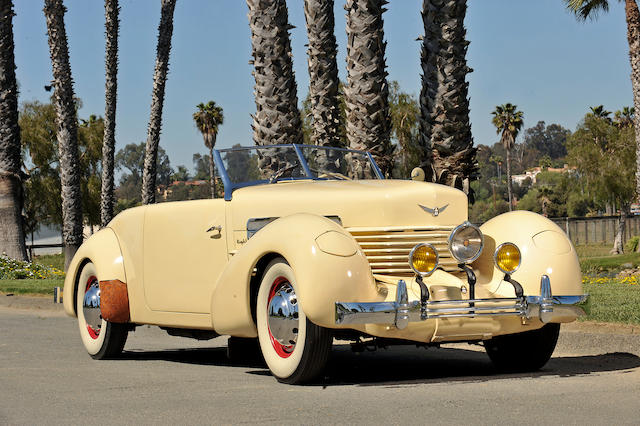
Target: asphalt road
{"type": "Point", "coordinates": [46, 377]}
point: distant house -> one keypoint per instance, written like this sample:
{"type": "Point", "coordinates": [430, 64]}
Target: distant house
{"type": "Point", "coordinates": [533, 173]}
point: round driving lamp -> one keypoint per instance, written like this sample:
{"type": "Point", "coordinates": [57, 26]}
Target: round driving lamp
{"type": "Point", "coordinates": [507, 258]}
{"type": "Point", "coordinates": [423, 259]}
{"type": "Point", "coordinates": [465, 242]}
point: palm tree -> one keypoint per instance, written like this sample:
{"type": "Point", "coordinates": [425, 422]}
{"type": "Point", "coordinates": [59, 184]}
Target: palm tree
{"type": "Point", "coordinates": [600, 112]}
{"type": "Point", "coordinates": [445, 130]}
{"type": "Point", "coordinates": [112, 22]}
{"type": "Point", "coordinates": [165, 31]}
{"type": "Point", "coordinates": [508, 121]}
{"type": "Point", "coordinates": [208, 118]}
{"type": "Point", "coordinates": [11, 191]}
{"type": "Point", "coordinates": [584, 9]}
{"type": "Point", "coordinates": [367, 90]}
{"type": "Point", "coordinates": [277, 119]}
{"type": "Point", "coordinates": [624, 118]}
{"type": "Point", "coordinates": [67, 125]}
{"type": "Point", "coordinates": [323, 72]}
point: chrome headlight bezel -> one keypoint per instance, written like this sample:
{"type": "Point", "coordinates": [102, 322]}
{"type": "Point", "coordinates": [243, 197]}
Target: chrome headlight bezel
{"type": "Point", "coordinates": [413, 250]}
{"type": "Point", "coordinates": [495, 257]}
{"type": "Point", "coordinates": [453, 234]}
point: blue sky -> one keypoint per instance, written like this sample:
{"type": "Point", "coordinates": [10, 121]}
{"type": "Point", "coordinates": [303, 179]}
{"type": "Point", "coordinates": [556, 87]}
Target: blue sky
{"type": "Point", "coordinates": [531, 53]}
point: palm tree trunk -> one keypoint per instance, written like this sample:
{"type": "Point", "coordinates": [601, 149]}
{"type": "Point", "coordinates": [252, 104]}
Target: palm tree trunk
{"type": "Point", "coordinates": [429, 56]}
{"type": "Point", "coordinates": [112, 22]}
{"type": "Point", "coordinates": [446, 139]}
{"type": "Point", "coordinates": [277, 119]}
{"type": "Point", "coordinates": [165, 31]}
{"type": "Point", "coordinates": [509, 186]}
{"type": "Point", "coordinates": [633, 36]}
{"type": "Point", "coordinates": [11, 192]}
{"type": "Point", "coordinates": [67, 124]}
{"type": "Point", "coordinates": [212, 173]}
{"type": "Point", "coordinates": [367, 91]}
{"type": "Point", "coordinates": [618, 242]}
{"type": "Point", "coordinates": [323, 72]}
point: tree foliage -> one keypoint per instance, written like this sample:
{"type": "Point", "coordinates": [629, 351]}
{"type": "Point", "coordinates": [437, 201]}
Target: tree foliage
{"type": "Point", "coordinates": [41, 160]}
{"type": "Point", "coordinates": [548, 140]}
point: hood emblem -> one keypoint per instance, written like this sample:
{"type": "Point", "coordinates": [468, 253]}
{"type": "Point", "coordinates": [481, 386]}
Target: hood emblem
{"type": "Point", "coordinates": [435, 211]}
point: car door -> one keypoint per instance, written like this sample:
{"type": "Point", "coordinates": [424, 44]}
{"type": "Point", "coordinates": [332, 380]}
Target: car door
{"type": "Point", "coordinates": [185, 250]}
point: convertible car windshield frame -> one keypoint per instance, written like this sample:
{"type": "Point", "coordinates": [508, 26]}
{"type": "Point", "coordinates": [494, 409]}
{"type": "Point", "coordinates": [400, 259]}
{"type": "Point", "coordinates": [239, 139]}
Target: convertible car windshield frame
{"type": "Point", "coordinates": [264, 162]}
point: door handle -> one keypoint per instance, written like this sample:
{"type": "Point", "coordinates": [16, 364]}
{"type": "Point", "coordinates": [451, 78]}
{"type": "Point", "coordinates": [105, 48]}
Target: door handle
{"type": "Point", "coordinates": [215, 228]}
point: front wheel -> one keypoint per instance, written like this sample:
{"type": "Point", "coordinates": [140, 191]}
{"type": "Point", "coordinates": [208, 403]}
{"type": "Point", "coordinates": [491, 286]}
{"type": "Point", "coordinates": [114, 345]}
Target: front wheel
{"type": "Point", "coordinates": [102, 339]}
{"type": "Point", "coordinates": [523, 352]}
{"type": "Point", "coordinates": [295, 349]}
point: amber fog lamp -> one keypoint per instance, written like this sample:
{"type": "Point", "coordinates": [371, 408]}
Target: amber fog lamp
{"type": "Point", "coordinates": [423, 259]}
{"type": "Point", "coordinates": [507, 258]}
{"type": "Point", "coordinates": [465, 242]}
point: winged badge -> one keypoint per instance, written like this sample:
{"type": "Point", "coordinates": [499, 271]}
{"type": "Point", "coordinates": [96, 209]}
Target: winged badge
{"type": "Point", "coordinates": [434, 211]}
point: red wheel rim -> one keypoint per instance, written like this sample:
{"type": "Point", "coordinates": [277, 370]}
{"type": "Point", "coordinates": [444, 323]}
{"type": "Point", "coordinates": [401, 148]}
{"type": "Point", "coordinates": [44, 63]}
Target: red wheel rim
{"type": "Point", "coordinates": [94, 334]}
{"type": "Point", "coordinates": [283, 351]}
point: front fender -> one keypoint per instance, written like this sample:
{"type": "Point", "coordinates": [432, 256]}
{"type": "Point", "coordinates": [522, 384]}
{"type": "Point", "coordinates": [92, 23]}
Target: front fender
{"type": "Point", "coordinates": [322, 278]}
{"type": "Point", "coordinates": [545, 250]}
{"type": "Point", "coordinates": [103, 249]}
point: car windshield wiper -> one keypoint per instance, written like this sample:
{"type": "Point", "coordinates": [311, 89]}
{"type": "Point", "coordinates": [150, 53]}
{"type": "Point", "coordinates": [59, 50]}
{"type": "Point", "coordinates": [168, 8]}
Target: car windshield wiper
{"type": "Point", "coordinates": [277, 175]}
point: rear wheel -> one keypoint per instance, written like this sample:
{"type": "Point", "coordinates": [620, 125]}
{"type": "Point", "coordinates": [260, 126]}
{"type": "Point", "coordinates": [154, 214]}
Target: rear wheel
{"type": "Point", "coordinates": [102, 339]}
{"type": "Point", "coordinates": [295, 349]}
{"type": "Point", "coordinates": [523, 352]}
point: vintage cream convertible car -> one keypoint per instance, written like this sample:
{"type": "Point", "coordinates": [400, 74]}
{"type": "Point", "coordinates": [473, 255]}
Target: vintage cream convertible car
{"type": "Point", "coordinates": [311, 244]}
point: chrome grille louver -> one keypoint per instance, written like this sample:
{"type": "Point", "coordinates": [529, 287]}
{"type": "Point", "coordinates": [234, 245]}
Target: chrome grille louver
{"type": "Point", "coordinates": [387, 248]}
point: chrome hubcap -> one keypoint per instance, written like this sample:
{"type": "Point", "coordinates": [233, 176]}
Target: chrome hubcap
{"type": "Point", "coordinates": [282, 312]}
{"type": "Point", "coordinates": [91, 307]}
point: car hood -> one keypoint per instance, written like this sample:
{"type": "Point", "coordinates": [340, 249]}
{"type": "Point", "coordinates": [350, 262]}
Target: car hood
{"type": "Point", "coordinates": [363, 203]}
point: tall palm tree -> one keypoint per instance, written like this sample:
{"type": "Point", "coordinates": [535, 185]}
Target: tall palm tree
{"type": "Point", "coordinates": [208, 118]}
{"type": "Point", "coordinates": [165, 31]}
{"type": "Point", "coordinates": [445, 130]}
{"type": "Point", "coordinates": [508, 121]}
{"type": "Point", "coordinates": [67, 124]}
{"type": "Point", "coordinates": [112, 22]}
{"type": "Point", "coordinates": [277, 119]}
{"type": "Point", "coordinates": [584, 9]}
{"type": "Point", "coordinates": [367, 90]}
{"type": "Point", "coordinates": [11, 191]}
{"type": "Point", "coordinates": [323, 72]}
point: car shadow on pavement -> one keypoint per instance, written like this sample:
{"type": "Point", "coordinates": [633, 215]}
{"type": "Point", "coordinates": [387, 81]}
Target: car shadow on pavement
{"type": "Point", "coordinates": [201, 356]}
{"type": "Point", "coordinates": [405, 365]}
{"type": "Point", "coordinates": [400, 365]}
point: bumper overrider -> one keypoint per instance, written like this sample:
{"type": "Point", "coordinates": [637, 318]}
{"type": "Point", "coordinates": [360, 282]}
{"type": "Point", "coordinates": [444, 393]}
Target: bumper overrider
{"type": "Point", "coordinates": [546, 307]}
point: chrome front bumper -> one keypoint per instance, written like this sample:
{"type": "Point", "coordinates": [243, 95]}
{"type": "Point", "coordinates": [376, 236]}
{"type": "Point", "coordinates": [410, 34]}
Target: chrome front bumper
{"type": "Point", "coordinates": [546, 307]}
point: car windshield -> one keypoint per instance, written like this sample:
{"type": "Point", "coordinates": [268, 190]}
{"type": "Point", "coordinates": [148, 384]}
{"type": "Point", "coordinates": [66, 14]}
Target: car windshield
{"type": "Point", "coordinates": [254, 165]}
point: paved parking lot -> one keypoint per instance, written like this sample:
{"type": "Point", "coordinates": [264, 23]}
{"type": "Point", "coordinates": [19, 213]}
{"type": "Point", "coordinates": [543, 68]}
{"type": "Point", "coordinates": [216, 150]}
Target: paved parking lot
{"type": "Point", "coordinates": [46, 377]}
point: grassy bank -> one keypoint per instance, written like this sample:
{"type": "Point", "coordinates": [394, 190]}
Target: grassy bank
{"type": "Point", "coordinates": [613, 300]}
{"type": "Point", "coordinates": [30, 286]}
{"type": "Point", "coordinates": [38, 277]}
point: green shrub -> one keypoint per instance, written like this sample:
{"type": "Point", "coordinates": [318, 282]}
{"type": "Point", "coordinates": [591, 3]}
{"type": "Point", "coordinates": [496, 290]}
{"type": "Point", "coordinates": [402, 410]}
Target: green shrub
{"type": "Point", "coordinates": [632, 244]}
{"type": "Point", "coordinates": [11, 269]}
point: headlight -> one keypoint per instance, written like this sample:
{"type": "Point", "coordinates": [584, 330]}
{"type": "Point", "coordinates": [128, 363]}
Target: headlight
{"type": "Point", "coordinates": [465, 242]}
{"type": "Point", "coordinates": [507, 257]}
{"type": "Point", "coordinates": [423, 259]}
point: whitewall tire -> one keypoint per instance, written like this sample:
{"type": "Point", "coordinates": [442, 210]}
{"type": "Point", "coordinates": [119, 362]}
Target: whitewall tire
{"type": "Point", "coordinates": [295, 349]}
{"type": "Point", "coordinates": [101, 339]}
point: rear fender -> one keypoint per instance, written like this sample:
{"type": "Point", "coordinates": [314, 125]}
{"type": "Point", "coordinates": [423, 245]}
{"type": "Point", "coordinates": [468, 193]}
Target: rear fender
{"type": "Point", "coordinates": [103, 249]}
{"type": "Point", "coordinates": [321, 278]}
